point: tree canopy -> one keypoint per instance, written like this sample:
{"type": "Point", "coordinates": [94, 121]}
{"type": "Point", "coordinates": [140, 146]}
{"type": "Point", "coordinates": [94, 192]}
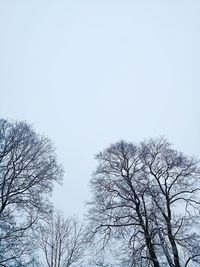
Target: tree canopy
{"type": "Point", "coordinates": [145, 198]}
{"type": "Point", "coordinates": [147, 195]}
{"type": "Point", "coordinates": [28, 170]}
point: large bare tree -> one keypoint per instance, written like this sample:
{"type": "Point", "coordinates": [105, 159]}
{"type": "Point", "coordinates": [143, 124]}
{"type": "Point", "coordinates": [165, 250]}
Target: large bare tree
{"type": "Point", "coordinates": [174, 187]}
{"type": "Point", "coordinates": [148, 195]}
{"type": "Point", "coordinates": [28, 169]}
{"type": "Point", "coordinates": [62, 240]}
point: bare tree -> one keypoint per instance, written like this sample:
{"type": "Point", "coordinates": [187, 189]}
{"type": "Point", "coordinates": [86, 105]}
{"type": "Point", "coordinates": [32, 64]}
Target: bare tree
{"type": "Point", "coordinates": [174, 187]}
{"type": "Point", "coordinates": [147, 195]}
{"type": "Point", "coordinates": [28, 168]}
{"type": "Point", "coordinates": [63, 241]}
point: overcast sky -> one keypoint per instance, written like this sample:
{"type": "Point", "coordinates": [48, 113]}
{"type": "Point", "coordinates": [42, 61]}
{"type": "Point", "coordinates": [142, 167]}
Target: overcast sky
{"type": "Point", "coordinates": [88, 73]}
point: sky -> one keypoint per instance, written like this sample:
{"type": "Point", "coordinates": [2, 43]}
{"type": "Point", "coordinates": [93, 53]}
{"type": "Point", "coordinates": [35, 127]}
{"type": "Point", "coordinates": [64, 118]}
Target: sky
{"type": "Point", "coordinates": [88, 73]}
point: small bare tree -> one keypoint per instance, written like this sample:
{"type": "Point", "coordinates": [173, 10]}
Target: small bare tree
{"type": "Point", "coordinates": [63, 241]}
{"type": "Point", "coordinates": [28, 168]}
{"type": "Point", "coordinates": [148, 196]}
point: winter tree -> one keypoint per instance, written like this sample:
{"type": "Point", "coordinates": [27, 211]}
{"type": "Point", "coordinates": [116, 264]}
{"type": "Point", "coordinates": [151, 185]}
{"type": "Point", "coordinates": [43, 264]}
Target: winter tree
{"type": "Point", "coordinates": [147, 196]}
{"type": "Point", "coordinates": [28, 170]}
{"type": "Point", "coordinates": [62, 240]}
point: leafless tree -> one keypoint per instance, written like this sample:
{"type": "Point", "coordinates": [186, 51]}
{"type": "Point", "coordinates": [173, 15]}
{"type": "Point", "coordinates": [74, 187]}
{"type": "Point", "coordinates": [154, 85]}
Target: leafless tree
{"type": "Point", "coordinates": [147, 195]}
{"type": "Point", "coordinates": [63, 241]}
{"type": "Point", "coordinates": [174, 187]}
{"type": "Point", "coordinates": [28, 168]}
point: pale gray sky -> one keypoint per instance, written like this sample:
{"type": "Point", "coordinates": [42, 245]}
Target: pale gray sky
{"type": "Point", "coordinates": [88, 73]}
